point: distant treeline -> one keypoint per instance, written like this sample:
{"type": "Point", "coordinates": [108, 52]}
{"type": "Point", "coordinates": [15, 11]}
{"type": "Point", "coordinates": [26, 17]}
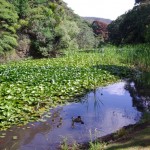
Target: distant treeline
{"type": "Point", "coordinates": [132, 27]}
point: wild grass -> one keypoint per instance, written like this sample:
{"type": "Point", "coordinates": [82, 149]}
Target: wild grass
{"type": "Point", "coordinates": [65, 146]}
{"type": "Point", "coordinates": [136, 140]}
{"type": "Point", "coordinates": [95, 145]}
{"type": "Point", "coordinates": [137, 55]}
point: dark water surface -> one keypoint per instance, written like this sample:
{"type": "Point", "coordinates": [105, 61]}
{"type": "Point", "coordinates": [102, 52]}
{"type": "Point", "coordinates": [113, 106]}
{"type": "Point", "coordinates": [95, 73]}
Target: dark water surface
{"type": "Point", "coordinates": [103, 111]}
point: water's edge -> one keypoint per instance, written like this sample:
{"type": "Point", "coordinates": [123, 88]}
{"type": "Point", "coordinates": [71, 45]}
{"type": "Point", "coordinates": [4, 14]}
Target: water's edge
{"type": "Point", "coordinates": [103, 111]}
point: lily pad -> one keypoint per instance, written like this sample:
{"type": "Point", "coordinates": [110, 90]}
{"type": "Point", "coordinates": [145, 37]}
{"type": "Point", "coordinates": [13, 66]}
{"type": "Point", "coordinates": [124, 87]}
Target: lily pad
{"type": "Point", "coordinates": [15, 137]}
{"type": "Point", "coordinates": [3, 134]}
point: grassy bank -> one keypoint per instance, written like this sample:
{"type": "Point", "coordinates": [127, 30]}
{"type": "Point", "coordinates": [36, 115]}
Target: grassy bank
{"type": "Point", "coordinates": [136, 140]}
{"type": "Point", "coordinates": [137, 55]}
{"type": "Point", "coordinates": [131, 137]}
{"type": "Point", "coordinates": [30, 87]}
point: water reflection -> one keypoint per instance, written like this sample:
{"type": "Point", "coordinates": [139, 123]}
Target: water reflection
{"type": "Point", "coordinates": [140, 92]}
{"type": "Point", "coordinates": [105, 110]}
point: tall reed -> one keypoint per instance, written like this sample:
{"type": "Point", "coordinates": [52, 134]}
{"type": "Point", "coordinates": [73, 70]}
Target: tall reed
{"type": "Point", "coordinates": [137, 55]}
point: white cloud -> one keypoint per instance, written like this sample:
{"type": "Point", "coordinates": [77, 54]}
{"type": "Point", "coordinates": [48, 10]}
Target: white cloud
{"type": "Point", "coordinates": [110, 9]}
{"type": "Point", "coordinates": [116, 89]}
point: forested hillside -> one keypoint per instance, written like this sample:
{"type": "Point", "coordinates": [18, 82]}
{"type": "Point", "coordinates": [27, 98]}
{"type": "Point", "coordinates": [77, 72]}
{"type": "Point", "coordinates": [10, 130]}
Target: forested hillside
{"type": "Point", "coordinates": [132, 27]}
{"type": "Point", "coordinates": [41, 28]}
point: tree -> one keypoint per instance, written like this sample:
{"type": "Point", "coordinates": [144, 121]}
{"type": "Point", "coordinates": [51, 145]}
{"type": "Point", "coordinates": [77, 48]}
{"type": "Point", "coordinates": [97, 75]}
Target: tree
{"type": "Point", "coordinates": [49, 25]}
{"type": "Point", "coordinates": [100, 29]}
{"type": "Point", "coordinates": [141, 1]}
{"type": "Point", "coordinates": [67, 32]}
{"type": "Point", "coordinates": [22, 7]}
{"type": "Point", "coordinates": [132, 27]}
{"type": "Point", "coordinates": [85, 37]}
{"type": "Point", "coordinates": [8, 26]}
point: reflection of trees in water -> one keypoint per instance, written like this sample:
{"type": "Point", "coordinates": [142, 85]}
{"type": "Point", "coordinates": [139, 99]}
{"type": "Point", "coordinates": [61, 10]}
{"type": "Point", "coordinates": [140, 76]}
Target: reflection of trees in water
{"type": "Point", "coordinates": [140, 92]}
{"type": "Point", "coordinates": [96, 97]}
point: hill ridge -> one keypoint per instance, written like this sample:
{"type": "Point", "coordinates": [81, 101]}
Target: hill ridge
{"type": "Point", "coordinates": [91, 19]}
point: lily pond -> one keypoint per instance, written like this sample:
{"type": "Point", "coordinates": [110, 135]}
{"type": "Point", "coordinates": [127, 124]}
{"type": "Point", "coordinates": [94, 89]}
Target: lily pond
{"type": "Point", "coordinates": [103, 111]}
{"type": "Point", "coordinates": [78, 97]}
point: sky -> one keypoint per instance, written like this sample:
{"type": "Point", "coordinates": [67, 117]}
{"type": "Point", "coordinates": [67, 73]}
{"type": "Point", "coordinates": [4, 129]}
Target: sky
{"type": "Point", "coordinates": [109, 9]}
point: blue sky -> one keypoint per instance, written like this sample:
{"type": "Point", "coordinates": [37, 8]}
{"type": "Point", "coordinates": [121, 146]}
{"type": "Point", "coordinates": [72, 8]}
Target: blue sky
{"type": "Point", "coordinates": [109, 9]}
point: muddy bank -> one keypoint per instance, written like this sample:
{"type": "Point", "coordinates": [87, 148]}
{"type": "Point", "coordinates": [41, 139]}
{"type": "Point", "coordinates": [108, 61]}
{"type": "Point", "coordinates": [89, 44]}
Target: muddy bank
{"type": "Point", "coordinates": [122, 135]}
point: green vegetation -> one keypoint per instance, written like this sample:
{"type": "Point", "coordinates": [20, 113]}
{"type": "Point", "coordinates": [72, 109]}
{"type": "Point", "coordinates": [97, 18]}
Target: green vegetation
{"type": "Point", "coordinates": [96, 145]}
{"type": "Point", "coordinates": [64, 145]}
{"type": "Point", "coordinates": [8, 27]}
{"type": "Point", "coordinates": [136, 55]}
{"type": "Point", "coordinates": [136, 140]}
{"type": "Point", "coordinates": [30, 87]}
{"type": "Point", "coordinates": [49, 25]}
{"type": "Point", "coordinates": [131, 33]}
{"type": "Point", "coordinates": [131, 27]}
{"type": "Point", "coordinates": [131, 138]}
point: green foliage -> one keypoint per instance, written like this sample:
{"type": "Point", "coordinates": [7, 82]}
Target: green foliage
{"type": "Point", "coordinates": [67, 32]}
{"type": "Point", "coordinates": [51, 26]}
{"type": "Point", "coordinates": [23, 23]}
{"type": "Point", "coordinates": [53, 32]}
{"type": "Point", "coordinates": [55, 27]}
{"type": "Point", "coordinates": [132, 27]}
{"type": "Point", "coordinates": [42, 23]}
{"type": "Point", "coordinates": [21, 6]}
{"type": "Point", "coordinates": [8, 26]}
{"type": "Point", "coordinates": [28, 88]}
{"type": "Point", "coordinates": [85, 38]}
{"type": "Point", "coordinates": [7, 42]}
{"type": "Point", "coordinates": [137, 55]}
{"type": "Point", "coordinates": [145, 117]}
{"type": "Point", "coordinates": [115, 35]}
{"type": "Point", "coordinates": [7, 13]}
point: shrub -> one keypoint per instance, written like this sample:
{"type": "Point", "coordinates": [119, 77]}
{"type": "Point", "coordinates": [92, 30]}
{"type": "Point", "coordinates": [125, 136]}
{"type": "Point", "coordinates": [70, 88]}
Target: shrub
{"type": "Point", "coordinates": [8, 20]}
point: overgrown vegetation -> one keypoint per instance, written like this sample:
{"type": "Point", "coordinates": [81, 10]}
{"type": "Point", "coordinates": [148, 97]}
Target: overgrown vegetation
{"type": "Point", "coordinates": [30, 87]}
{"type": "Point", "coordinates": [137, 55]}
{"type": "Point", "coordinates": [132, 32]}
{"type": "Point", "coordinates": [8, 27]}
{"type": "Point", "coordinates": [49, 25]}
{"type": "Point", "coordinates": [131, 27]}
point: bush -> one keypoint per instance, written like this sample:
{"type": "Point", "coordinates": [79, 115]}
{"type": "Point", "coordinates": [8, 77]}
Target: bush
{"type": "Point", "coordinates": [8, 20]}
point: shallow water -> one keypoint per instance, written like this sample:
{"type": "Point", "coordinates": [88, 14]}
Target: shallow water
{"type": "Point", "coordinates": [103, 111]}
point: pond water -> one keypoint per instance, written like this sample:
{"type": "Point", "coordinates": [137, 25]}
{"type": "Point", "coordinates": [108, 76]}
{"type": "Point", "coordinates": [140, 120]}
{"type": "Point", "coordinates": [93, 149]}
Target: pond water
{"type": "Point", "coordinates": [103, 111]}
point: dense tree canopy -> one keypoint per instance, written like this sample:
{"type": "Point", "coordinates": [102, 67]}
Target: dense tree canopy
{"type": "Point", "coordinates": [100, 28]}
{"type": "Point", "coordinates": [49, 25]}
{"type": "Point", "coordinates": [132, 27]}
{"type": "Point", "coordinates": [8, 26]}
{"type": "Point", "coordinates": [142, 1]}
